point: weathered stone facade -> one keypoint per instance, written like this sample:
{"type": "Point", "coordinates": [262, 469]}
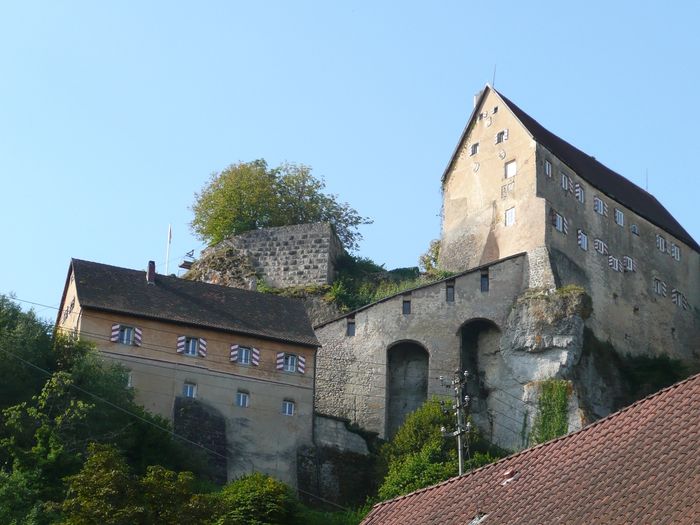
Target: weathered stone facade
{"type": "Point", "coordinates": [298, 255]}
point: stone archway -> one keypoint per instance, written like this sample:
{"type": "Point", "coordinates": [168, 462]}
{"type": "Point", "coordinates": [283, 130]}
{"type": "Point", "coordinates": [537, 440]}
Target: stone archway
{"type": "Point", "coordinates": [407, 382]}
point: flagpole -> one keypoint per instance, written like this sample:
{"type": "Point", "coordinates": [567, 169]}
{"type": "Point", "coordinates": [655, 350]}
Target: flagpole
{"type": "Point", "coordinates": [167, 249]}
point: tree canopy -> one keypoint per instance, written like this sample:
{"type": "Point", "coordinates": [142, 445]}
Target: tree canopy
{"type": "Point", "coordinates": [250, 195]}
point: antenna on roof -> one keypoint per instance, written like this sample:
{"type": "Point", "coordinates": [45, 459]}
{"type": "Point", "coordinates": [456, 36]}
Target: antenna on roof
{"type": "Point", "coordinates": [167, 249]}
{"type": "Point", "coordinates": [493, 81]}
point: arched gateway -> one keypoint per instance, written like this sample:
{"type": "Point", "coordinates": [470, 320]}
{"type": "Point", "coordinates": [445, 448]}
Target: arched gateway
{"type": "Point", "coordinates": [407, 382]}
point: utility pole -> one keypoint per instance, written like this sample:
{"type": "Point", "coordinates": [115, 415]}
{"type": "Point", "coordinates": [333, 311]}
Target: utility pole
{"type": "Point", "coordinates": [461, 402]}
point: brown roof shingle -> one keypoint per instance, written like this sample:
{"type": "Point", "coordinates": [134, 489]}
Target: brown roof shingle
{"type": "Point", "coordinates": [114, 289]}
{"type": "Point", "coordinates": [639, 465]}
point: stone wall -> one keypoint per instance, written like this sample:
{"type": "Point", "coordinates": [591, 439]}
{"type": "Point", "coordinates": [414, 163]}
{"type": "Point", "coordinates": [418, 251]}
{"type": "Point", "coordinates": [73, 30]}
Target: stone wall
{"type": "Point", "coordinates": [296, 255]}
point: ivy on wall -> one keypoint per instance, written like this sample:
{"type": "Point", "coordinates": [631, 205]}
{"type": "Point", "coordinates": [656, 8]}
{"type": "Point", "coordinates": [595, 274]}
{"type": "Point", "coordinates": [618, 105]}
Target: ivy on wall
{"type": "Point", "coordinates": [551, 419]}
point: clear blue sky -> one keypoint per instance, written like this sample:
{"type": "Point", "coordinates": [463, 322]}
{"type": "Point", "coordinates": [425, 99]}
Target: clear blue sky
{"type": "Point", "coordinates": [113, 114]}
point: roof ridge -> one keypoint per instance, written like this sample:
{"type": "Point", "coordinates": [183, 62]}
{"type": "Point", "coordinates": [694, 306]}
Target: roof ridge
{"type": "Point", "coordinates": [529, 450]}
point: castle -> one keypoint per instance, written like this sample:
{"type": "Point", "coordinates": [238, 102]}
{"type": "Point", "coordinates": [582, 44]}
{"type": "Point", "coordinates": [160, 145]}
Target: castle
{"type": "Point", "coordinates": [561, 268]}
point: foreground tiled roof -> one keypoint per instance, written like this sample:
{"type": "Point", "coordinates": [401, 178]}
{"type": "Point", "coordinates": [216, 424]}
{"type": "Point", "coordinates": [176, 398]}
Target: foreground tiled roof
{"type": "Point", "coordinates": [114, 289]}
{"type": "Point", "coordinates": [638, 466]}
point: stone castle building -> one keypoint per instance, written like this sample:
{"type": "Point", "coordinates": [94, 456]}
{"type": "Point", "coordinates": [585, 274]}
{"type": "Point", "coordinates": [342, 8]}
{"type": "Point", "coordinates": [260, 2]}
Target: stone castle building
{"type": "Point", "coordinates": [526, 215]}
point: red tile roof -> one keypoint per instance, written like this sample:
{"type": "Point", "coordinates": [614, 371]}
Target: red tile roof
{"type": "Point", "coordinates": [639, 465]}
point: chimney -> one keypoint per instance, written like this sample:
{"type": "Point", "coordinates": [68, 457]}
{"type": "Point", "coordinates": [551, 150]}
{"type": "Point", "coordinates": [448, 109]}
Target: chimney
{"type": "Point", "coordinates": [151, 273]}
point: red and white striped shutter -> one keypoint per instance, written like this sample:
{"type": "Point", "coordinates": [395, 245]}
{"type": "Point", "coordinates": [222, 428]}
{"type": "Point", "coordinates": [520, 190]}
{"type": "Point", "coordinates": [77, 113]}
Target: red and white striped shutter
{"type": "Point", "coordinates": [138, 335]}
{"type": "Point", "coordinates": [605, 209]}
{"type": "Point", "coordinates": [256, 356]}
{"type": "Point", "coordinates": [301, 364]}
{"type": "Point", "coordinates": [571, 185]}
{"type": "Point", "coordinates": [280, 360]}
{"type": "Point", "coordinates": [565, 223]}
{"type": "Point", "coordinates": [233, 355]}
{"type": "Point", "coordinates": [495, 138]}
{"type": "Point", "coordinates": [634, 265]}
{"type": "Point", "coordinates": [115, 333]}
{"type": "Point", "coordinates": [202, 347]}
{"type": "Point", "coordinates": [180, 344]}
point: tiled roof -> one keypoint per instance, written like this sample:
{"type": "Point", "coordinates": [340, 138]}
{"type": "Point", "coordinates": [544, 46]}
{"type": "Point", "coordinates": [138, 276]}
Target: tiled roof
{"type": "Point", "coordinates": [640, 465]}
{"type": "Point", "coordinates": [114, 289]}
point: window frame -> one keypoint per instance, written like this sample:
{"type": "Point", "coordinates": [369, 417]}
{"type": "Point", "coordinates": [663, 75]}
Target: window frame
{"type": "Point", "coordinates": [288, 407]}
{"type": "Point", "coordinates": [247, 352]}
{"type": "Point", "coordinates": [598, 205]}
{"type": "Point", "coordinates": [513, 163]}
{"type": "Point", "coordinates": [406, 305]}
{"type": "Point", "coordinates": [350, 327]}
{"type": "Point", "coordinates": [242, 399]}
{"type": "Point", "coordinates": [449, 291]}
{"type": "Point", "coordinates": [661, 243]}
{"type": "Point", "coordinates": [290, 363]}
{"type": "Point", "coordinates": [191, 343]}
{"type": "Point", "coordinates": [189, 387]}
{"type": "Point", "coordinates": [500, 137]}
{"type": "Point", "coordinates": [548, 168]}
{"type": "Point", "coordinates": [474, 149]}
{"type": "Point", "coordinates": [485, 281]}
{"type": "Point", "coordinates": [619, 217]}
{"type": "Point", "coordinates": [564, 182]}
{"type": "Point", "coordinates": [509, 219]}
{"type": "Point", "coordinates": [659, 287]}
{"type": "Point", "coordinates": [675, 251]}
{"type": "Point", "coordinates": [124, 329]}
{"type": "Point", "coordinates": [582, 240]}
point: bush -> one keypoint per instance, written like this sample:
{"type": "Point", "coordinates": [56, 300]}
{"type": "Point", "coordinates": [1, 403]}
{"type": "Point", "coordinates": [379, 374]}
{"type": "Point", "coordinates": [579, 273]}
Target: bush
{"type": "Point", "coordinates": [256, 499]}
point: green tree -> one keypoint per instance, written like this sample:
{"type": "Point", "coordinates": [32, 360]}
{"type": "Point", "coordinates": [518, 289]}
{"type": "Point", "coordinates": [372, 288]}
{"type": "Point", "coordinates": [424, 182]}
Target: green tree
{"type": "Point", "coordinates": [249, 195]}
{"type": "Point", "coordinates": [256, 499]}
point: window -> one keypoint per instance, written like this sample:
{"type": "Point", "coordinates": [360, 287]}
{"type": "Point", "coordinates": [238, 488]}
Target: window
{"type": "Point", "coordinates": [485, 280]}
{"type": "Point", "coordinates": [474, 149]}
{"type": "Point", "coordinates": [579, 193]}
{"type": "Point", "coordinates": [659, 287]}
{"type": "Point", "coordinates": [614, 263]}
{"type": "Point", "coordinates": [406, 306]}
{"type": "Point", "coordinates": [511, 168]}
{"type": "Point", "coordinates": [582, 240]}
{"type": "Point", "coordinates": [243, 355]}
{"type": "Point", "coordinates": [501, 136]}
{"type": "Point", "coordinates": [189, 390]}
{"type": "Point", "coordinates": [619, 217]}
{"type": "Point", "coordinates": [559, 222]}
{"type": "Point", "coordinates": [495, 110]}
{"type": "Point", "coordinates": [629, 264]}
{"type": "Point", "coordinates": [548, 168]}
{"type": "Point", "coordinates": [290, 363]}
{"type": "Point", "coordinates": [191, 344]}
{"type": "Point", "coordinates": [242, 399]}
{"type": "Point", "coordinates": [450, 291]}
{"type": "Point", "coordinates": [634, 229]}
{"type": "Point", "coordinates": [126, 335]}
{"type": "Point", "coordinates": [679, 299]}
{"type": "Point", "coordinates": [661, 243]}
{"type": "Point", "coordinates": [288, 407]}
{"type": "Point", "coordinates": [600, 246]}
{"type": "Point", "coordinates": [676, 251]}
{"type": "Point", "coordinates": [564, 181]}
{"type": "Point", "coordinates": [68, 310]}
{"type": "Point", "coordinates": [599, 206]}
{"type": "Point", "coordinates": [510, 216]}
{"type": "Point", "coordinates": [350, 327]}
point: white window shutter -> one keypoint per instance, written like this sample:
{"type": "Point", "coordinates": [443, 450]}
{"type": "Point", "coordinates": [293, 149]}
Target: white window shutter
{"type": "Point", "coordinates": [138, 335]}
{"type": "Point", "coordinates": [565, 224]}
{"type": "Point", "coordinates": [301, 364]}
{"type": "Point", "coordinates": [180, 344]}
{"type": "Point", "coordinates": [202, 347]}
{"type": "Point", "coordinates": [115, 333]}
{"type": "Point", "coordinates": [505, 134]}
{"type": "Point", "coordinates": [233, 354]}
{"type": "Point", "coordinates": [280, 360]}
{"type": "Point", "coordinates": [256, 357]}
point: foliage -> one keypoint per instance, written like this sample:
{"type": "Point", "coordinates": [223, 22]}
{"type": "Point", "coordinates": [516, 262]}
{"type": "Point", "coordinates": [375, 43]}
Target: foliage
{"type": "Point", "coordinates": [645, 375]}
{"type": "Point", "coordinates": [256, 499]}
{"type": "Point", "coordinates": [551, 419]}
{"type": "Point", "coordinates": [249, 195]}
{"type": "Point", "coordinates": [105, 491]}
{"type": "Point", "coordinates": [428, 262]}
{"type": "Point", "coordinates": [348, 517]}
{"type": "Point", "coordinates": [419, 456]}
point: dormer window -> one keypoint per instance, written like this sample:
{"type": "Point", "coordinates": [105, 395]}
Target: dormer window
{"type": "Point", "coordinates": [474, 149]}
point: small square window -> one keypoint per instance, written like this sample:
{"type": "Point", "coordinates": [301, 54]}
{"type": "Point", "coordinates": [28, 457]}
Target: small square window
{"type": "Point", "coordinates": [242, 399]}
{"type": "Point", "coordinates": [619, 217]}
{"type": "Point", "coordinates": [548, 168]}
{"type": "Point", "coordinates": [288, 407]}
{"type": "Point", "coordinates": [675, 251]}
{"type": "Point", "coordinates": [474, 149]}
{"type": "Point", "coordinates": [406, 306]}
{"type": "Point", "coordinates": [191, 344]}
{"type": "Point", "coordinates": [189, 390]}
{"type": "Point", "coordinates": [634, 229]}
{"type": "Point", "coordinates": [126, 335]}
{"type": "Point", "coordinates": [579, 193]}
{"type": "Point", "coordinates": [350, 327]}
{"type": "Point", "coordinates": [659, 287]}
{"type": "Point", "coordinates": [495, 110]}
{"type": "Point", "coordinates": [510, 216]}
{"type": "Point", "coordinates": [599, 206]}
{"type": "Point", "coordinates": [582, 240]}
{"type": "Point", "coordinates": [243, 355]}
{"type": "Point", "coordinates": [629, 264]}
{"type": "Point", "coordinates": [564, 181]}
{"type": "Point", "coordinates": [661, 243]}
{"type": "Point", "coordinates": [290, 363]}
{"type": "Point", "coordinates": [485, 280]}
{"type": "Point", "coordinates": [450, 291]}
{"type": "Point", "coordinates": [511, 169]}
{"type": "Point", "coordinates": [559, 222]}
{"type": "Point", "coordinates": [501, 136]}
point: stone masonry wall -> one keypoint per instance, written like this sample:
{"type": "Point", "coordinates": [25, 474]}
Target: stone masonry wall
{"type": "Point", "coordinates": [296, 255]}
